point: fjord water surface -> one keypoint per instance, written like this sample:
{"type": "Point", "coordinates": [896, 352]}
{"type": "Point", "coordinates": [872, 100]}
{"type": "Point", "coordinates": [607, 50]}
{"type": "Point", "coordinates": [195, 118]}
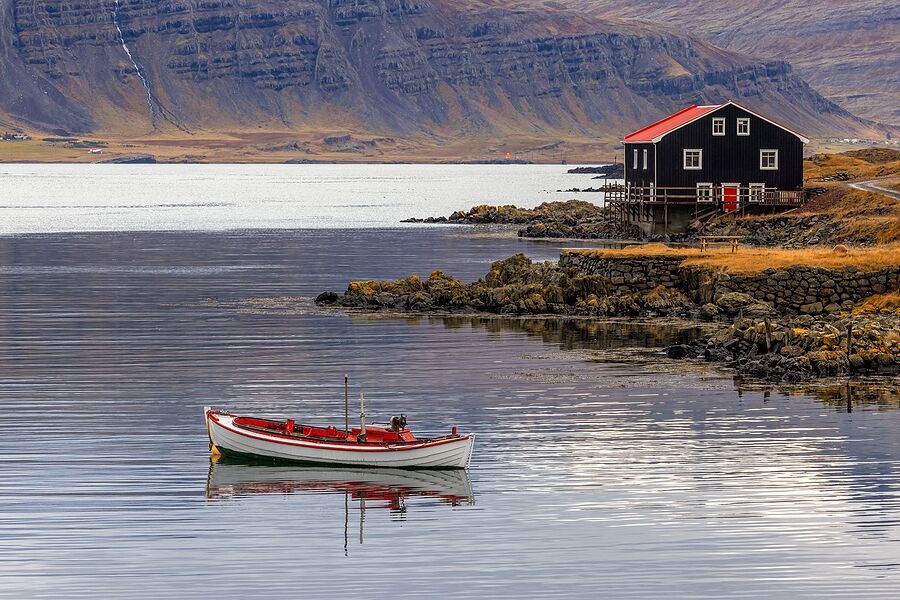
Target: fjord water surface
{"type": "Point", "coordinates": [597, 473]}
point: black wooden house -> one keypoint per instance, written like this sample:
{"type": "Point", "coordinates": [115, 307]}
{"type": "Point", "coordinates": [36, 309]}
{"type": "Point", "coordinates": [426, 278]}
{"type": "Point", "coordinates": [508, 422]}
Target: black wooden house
{"type": "Point", "coordinates": [707, 160]}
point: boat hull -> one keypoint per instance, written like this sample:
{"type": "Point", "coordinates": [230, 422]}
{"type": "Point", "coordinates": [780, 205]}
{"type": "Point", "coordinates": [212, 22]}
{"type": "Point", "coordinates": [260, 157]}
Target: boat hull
{"type": "Point", "coordinates": [442, 453]}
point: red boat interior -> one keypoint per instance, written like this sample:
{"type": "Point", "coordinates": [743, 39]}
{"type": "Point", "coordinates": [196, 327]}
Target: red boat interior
{"type": "Point", "coordinates": [374, 435]}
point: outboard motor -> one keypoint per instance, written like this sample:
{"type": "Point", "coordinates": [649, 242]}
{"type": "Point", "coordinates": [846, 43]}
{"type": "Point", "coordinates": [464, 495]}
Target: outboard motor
{"type": "Point", "coordinates": [398, 423]}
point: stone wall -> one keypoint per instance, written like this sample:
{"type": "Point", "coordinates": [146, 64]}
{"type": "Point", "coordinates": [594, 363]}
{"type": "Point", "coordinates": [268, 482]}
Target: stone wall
{"type": "Point", "coordinates": [628, 275]}
{"type": "Point", "coordinates": [799, 289]}
{"type": "Point", "coordinates": [810, 290]}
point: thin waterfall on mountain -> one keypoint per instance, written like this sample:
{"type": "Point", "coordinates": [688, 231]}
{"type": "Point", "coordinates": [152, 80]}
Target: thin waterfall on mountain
{"type": "Point", "coordinates": [134, 63]}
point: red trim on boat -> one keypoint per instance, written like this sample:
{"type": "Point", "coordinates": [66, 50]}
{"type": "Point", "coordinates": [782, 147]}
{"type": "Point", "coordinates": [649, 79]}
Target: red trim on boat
{"type": "Point", "coordinates": [336, 445]}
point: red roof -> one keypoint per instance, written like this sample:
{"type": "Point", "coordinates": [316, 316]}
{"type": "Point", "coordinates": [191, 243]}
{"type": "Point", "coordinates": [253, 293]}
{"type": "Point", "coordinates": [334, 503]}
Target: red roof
{"type": "Point", "coordinates": [651, 133]}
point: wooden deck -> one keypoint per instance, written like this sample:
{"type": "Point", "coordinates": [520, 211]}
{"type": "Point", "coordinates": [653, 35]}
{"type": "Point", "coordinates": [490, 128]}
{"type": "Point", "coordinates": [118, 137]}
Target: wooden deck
{"type": "Point", "coordinates": [646, 204]}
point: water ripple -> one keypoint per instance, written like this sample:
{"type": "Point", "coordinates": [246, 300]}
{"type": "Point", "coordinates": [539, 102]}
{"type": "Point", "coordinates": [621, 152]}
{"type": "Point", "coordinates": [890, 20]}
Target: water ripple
{"type": "Point", "coordinates": [590, 477]}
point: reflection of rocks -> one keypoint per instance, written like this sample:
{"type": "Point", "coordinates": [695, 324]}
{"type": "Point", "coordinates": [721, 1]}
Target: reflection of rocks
{"type": "Point", "coordinates": [766, 338]}
{"type": "Point", "coordinates": [587, 334]}
{"type": "Point", "coordinates": [846, 396]}
{"type": "Point", "coordinates": [632, 342]}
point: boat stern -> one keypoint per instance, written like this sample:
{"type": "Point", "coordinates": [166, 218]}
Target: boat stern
{"type": "Point", "coordinates": [469, 450]}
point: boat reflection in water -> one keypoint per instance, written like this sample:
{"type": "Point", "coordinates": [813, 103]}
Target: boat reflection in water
{"type": "Point", "coordinates": [231, 478]}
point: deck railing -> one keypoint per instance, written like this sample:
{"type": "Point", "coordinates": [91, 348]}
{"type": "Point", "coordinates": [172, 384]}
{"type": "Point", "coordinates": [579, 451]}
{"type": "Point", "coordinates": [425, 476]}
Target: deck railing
{"type": "Point", "coordinates": [727, 197]}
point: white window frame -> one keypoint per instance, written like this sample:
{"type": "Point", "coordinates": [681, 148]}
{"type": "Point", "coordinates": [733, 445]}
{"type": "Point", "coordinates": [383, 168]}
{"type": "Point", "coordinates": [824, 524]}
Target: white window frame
{"type": "Point", "coordinates": [756, 192]}
{"type": "Point", "coordinates": [718, 126]}
{"type": "Point", "coordinates": [762, 153]}
{"type": "Point", "coordinates": [645, 158]}
{"type": "Point", "coordinates": [635, 163]}
{"type": "Point", "coordinates": [706, 192]}
{"type": "Point", "coordinates": [684, 159]}
{"type": "Point", "coordinates": [745, 122]}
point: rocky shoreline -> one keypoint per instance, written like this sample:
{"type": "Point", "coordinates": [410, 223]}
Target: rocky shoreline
{"type": "Point", "coordinates": [614, 170]}
{"type": "Point", "coordinates": [836, 215]}
{"type": "Point", "coordinates": [792, 326]}
{"type": "Point", "coordinates": [569, 219]}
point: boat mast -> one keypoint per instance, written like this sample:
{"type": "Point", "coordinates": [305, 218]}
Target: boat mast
{"type": "Point", "coordinates": [347, 404]}
{"type": "Point", "coordinates": [362, 419]}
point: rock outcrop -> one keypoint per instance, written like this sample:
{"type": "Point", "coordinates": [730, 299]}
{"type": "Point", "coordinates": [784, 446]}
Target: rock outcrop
{"type": "Point", "coordinates": [793, 350]}
{"type": "Point", "coordinates": [569, 219]}
{"type": "Point", "coordinates": [781, 324]}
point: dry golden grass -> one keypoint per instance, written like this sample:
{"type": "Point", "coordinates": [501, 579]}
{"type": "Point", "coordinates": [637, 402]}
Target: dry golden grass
{"type": "Point", "coordinates": [859, 202]}
{"type": "Point", "coordinates": [264, 146]}
{"type": "Point", "coordinates": [754, 260]}
{"type": "Point", "coordinates": [855, 164]}
{"type": "Point", "coordinates": [867, 216]}
{"type": "Point", "coordinates": [655, 249]}
{"type": "Point", "coordinates": [861, 216]}
{"type": "Point", "coordinates": [888, 303]}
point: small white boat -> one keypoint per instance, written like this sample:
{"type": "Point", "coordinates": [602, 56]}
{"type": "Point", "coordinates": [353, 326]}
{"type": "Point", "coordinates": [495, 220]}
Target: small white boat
{"type": "Point", "coordinates": [394, 446]}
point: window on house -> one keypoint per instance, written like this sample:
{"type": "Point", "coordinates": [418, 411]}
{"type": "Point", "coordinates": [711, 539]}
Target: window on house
{"type": "Point", "coordinates": [743, 126]}
{"type": "Point", "coordinates": [645, 158]}
{"type": "Point", "coordinates": [705, 192]}
{"type": "Point", "coordinates": [768, 160]}
{"type": "Point", "coordinates": [634, 165]}
{"type": "Point", "coordinates": [756, 192]}
{"type": "Point", "coordinates": [693, 159]}
{"type": "Point", "coordinates": [718, 126]}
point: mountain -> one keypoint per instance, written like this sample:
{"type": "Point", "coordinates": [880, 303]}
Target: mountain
{"type": "Point", "coordinates": [849, 51]}
{"type": "Point", "coordinates": [413, 69]}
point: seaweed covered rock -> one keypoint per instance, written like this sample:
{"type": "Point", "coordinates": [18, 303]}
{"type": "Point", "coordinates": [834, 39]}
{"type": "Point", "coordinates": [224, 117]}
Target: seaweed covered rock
{"type": "Point", "coordinates": [733, 302]}
{"type": "Point", "coordinates": [515, 285]}
{"type": "Point", "coordinates": [804, 348]}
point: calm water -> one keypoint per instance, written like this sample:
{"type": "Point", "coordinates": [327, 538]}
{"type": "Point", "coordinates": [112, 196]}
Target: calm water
{"type": "Point", "coordinates": [594, 475]}
{"type": "Point", "coordinates": [54, 198]}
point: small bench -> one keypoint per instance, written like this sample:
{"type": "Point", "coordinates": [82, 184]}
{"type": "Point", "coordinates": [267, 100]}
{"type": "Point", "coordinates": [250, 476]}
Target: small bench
{"type": "Point", "coordinates": [732, 239]}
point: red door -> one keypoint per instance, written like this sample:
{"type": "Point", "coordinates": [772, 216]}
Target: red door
{"type": "Point", "coordinates": [730, 197]}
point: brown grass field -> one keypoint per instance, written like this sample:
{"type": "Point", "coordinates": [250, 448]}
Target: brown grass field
{"type": "Point", "coordinates": [754, 260]}
{"type": "Point", "coordinates": [868, 163]}
{"type": "Point", "coordinates": [290, 146]}
{"type": "Point", "coordinates": [888, 303]}
{"type": "Point", "coordinates": [274, 146]}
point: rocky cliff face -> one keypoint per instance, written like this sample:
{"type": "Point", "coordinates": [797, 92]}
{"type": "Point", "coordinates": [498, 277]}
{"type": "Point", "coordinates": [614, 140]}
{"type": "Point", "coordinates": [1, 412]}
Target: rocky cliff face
{"type": "Point", "coordinates": [846, 50]}
{"type": "Point", "coordinates": [399, 66]}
